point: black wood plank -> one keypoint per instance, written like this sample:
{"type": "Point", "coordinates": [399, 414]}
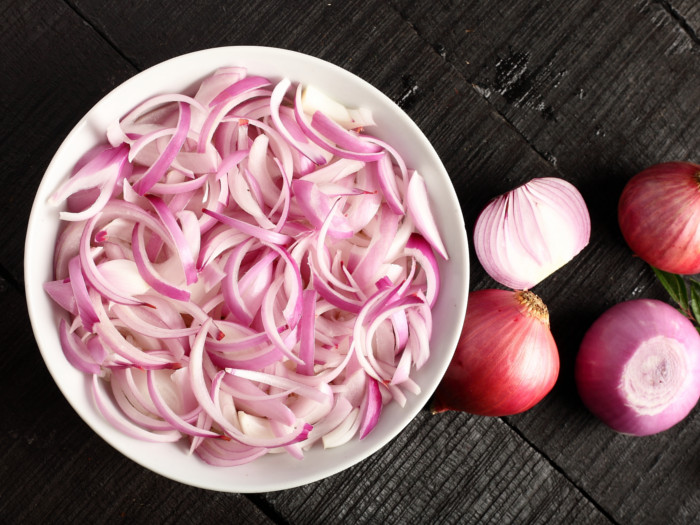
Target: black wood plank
{"type": "Point", "coordinates": [598, 86]}
{"type": "Point", "coordinates": [600, 90]}
{"type": "Point", "coordinates": [460, 469]}
{"type": "Point", "coordinates": [687, 13]}
{"type": "Point", "coordinates": [148, 34]}
{"type": "Point", "coordinates": [440, 60]}
{"type": "Point", "coordinates": [54, 69]}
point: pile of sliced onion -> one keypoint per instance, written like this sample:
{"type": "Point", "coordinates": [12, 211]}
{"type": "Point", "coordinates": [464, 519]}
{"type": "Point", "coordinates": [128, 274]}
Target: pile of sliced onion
{"type": "Point", "coordinates": [245, 272]}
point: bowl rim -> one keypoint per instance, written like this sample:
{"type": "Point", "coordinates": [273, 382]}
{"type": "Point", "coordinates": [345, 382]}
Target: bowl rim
{"type": "Point", "coordinates": [37, 301]}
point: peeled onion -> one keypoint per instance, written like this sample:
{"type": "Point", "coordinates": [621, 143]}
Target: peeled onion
{"type": "Point", "coordinates": [638, 368]}
{"type": "Point", "coordinates": [659, 215]}
{"type": "Point", "coordinates": [525, 235]}
{"type": "Point", "coordinates": [506, 359]}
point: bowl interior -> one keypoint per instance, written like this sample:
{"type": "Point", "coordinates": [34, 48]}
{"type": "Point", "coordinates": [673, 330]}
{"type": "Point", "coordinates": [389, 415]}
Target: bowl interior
{"type": "Point", "coordinates": [181, 74]}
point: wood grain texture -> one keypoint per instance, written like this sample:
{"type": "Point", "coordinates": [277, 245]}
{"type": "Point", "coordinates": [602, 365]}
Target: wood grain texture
{"type": "Point", "coordinates": [580, 90]}
{"type": "Point", "coordinates": [589, 91]}
{"type": "Point", "coordinates": [54, 69]}
{"type": "Point", "coordinates": [448, 468]}
{"type": "Point", "coordinates": [598, 103]}
{"type": "Point", "coordinates": [687, 13]}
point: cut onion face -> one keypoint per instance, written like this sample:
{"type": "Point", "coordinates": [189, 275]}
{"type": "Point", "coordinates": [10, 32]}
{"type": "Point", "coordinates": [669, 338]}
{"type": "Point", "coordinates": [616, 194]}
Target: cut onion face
{"type": "Point", "coordinates": [248, 269]}
{"type": "Point", "coordinates": [525, 235]}
{"type": "Point", "coordinates": [638, 367]}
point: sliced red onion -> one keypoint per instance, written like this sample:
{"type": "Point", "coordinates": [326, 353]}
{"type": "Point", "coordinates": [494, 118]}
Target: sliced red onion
{"type": "Point", "coordinates": [139, 323]}
{"type": "Point", "coordinates": [299, 143]}
{"type": "Point", "coordinates": [383, 171]}
{"type": "Point", "coordinates": [248, 275]}
{"type": "Point", "coordinates": [236, 337]}
{"type": "Point", "coordinates": [157, 170]}
{"type": "Point", "coordinates": [371, 408]}
{"type": "Point", "coordinates": [178, 237]}
{"type": "Point", "coordinates": [228, 454]}
{"type": "Point", "coordinates": [129, 399]}
{"type": "Point", "coordinates": [418, 207]}
{"type": "Point", "coordinates": [313, 100]}
{"type": "Point", "coordinates": [112, 338]}
{"type": "Point", "coordinates": [243, 85]}
{"type": "Point", "coordinates": [340, 136]}
{"type": "Point", "coordinates": [372, 265]}
{"type": "Point", "coordinates": [127, 427]}
{"type": "Point", "coordinates": [250, 229]}
{"type": "Point", "coordinates": [170, 415]}
{"type": "Point", "coordinates": [150, 107]}
{"type": "Point", "coordinates": [217, 242]}
{"type": "Point", "coordinates": [317, 206]}
{"type": "Point", "coordinates": [61, 292]}
{"type": "Point", "coordinates": [185, 187]}
{"type": "Point", "coordinates": [217, 82]}
{"type": "Point", "coordinates": [232, 285]}
{"type": "Point", "coordinates": [419, 249]}
{"type": "Point", "coordinates": [67, 246]}
{"type": "Point", "coordinates": [86, 310]}
{"type": "Point", "coordinates": [340, 411]}
{"type": "Point", "coordinates": [196, 371]}
{"type": "Point", "coordinates": [220, 113]}
{"type": "Point", "coordinates": [257, 359]}
{"type": "Point", "coordinates": [267, 316]}
{"type": "Point", "coordinates": [252, 397]}
{"type": "Point", "coordinates": [332, 138]}
{"type": "Point", "coordinates": [281, 382]}
{"type": "Point", "coordinates": [307, 340]}
{"type": "Point", "coordinates": [146, 270]}
{"type": "Point", "coordinates": [344, 432]}
{"type": "Point", "coordinates": [76, 351]}
{"type": "Point", "coordinates": [104, 172]}
{"type": "Point", "coordinates": [335, 171]}
{"type": "Point", "coordinates": [246, 193]}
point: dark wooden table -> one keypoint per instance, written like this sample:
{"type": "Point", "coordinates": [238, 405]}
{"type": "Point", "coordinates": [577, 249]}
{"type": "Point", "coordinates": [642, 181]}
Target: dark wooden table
{"type": "Point", "coordinates": [590, 91]}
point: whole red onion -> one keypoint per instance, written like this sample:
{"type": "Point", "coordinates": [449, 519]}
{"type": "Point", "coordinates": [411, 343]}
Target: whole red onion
{"type": "Point", "coordinates": [638, 368]}
{"type": "Point", "coordinates": [659, 215]}
{"type": "Point", "coordinates": [506, 359]}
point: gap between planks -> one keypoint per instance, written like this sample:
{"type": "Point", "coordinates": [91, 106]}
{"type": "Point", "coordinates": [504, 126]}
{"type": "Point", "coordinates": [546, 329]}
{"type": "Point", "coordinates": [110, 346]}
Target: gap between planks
{"type": "Point", "coordinates": [561, 471]}
{"type": "Point", "coordinates": [102, 34]}
{"type": "Point", "coordinates": [678, 17]}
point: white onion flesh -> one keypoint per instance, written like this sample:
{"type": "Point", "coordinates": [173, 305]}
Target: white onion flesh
{"type": "Point", "coordinates": [525, 235]}
{"type": "Point", "coordinates": [638, 368]}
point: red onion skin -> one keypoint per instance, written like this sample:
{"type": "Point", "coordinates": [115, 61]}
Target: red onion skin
{"type": "Point", "coordinates": [506, 359]}
{"type": "Point", "coordinates": [612, 341]}
{"type": "Point", "coordinates": [659, 216]}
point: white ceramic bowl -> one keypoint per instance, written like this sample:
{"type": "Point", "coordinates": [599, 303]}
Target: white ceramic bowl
{"type": "Point", "coordinates": [276, 471]}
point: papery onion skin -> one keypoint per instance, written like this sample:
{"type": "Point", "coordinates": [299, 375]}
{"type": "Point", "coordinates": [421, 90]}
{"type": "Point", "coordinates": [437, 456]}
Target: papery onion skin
{"type": "Point", "coordinates": [659, 216]}
{"type": "Point", "coordinates": [528, 233]}
{"type": "Point", "coordinates": [638, 367]}
{"type": "Point", "coordinates": [506, 359]}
